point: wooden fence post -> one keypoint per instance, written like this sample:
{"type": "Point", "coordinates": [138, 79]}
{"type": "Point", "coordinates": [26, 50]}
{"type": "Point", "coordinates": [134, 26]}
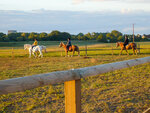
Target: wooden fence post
{"type": "Point", "coordinates": [85, 50]}
{"type": "Point", "coordinates": [139, 48]}
{"type": "Point", "coordinates": [147, 111]}
{"type": "Point", "coordinates": [73, 96]}
{"type": "Point", "coordinates": [112, 49]}
{"type": "Point", "coordinates": [12, 52]}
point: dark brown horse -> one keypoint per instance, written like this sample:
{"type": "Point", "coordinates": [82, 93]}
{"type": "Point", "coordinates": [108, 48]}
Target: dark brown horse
{"type": "Point", "coordinates": [72, 49]}
{"type": "Point", "coordinates": [129, 46]}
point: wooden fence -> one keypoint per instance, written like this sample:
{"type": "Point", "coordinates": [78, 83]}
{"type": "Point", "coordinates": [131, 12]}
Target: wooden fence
{"type": "Point", "coordinates": [71, 78]}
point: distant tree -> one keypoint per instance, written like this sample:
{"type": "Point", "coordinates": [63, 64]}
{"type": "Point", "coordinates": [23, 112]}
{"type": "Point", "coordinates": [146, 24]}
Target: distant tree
{"type": "Point", "coordinates": [95, 35]}
{"type": "Point", "coordinates": [2, 36]}
{"type": "Point", "coordinates": [24, 37]}
{"type": "Point", "coordinates": [79, 37]}
{"type": "Point", "coordinates": [13, 36]}
{"type": "Point", "coordinates": [20, 38]}
{"type": "Point", "coordinates": [80, 34]}
{"type": "Point", "coordinates": [42, 36]}
{"type": "Point", "coordinates": [120, 38]}
{"type": "Point", "coordinates": [84, 37]}
{"type": "Point", "coordinates": [54, 35]}
{"type": "Point", "coordinates": [109, 37]}
{"type": "Point", "coordinates": [74, 37]}
{"type": "Point", "coordinates": [32, 36]}
{"type": "Point", "coordinates": [89, 36]}
{"type": "Point", "coordinates": [58, 36]}
{"type": "Point", "coordinates": [116, 33]}
{"type": "Point", "coordinates": [101, 38]}
{"type": "Point", "coordinates": [65, 36]}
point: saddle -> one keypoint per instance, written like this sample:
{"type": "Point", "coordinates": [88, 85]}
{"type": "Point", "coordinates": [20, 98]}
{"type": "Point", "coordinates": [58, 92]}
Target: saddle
{"type": "Point", "coordinates": [127, 46]}
{"type": "Point", "coordinates": [70, 48]}
{"type": "Point", "coordinates": [33, 46]}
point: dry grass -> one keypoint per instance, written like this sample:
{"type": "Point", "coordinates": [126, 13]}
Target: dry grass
{"type": "Point", "coordinates": [122, 91]}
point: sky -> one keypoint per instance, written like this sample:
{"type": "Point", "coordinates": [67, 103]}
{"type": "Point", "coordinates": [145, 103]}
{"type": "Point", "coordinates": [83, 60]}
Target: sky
{"type": "Point", "coordinates": [75, 16]}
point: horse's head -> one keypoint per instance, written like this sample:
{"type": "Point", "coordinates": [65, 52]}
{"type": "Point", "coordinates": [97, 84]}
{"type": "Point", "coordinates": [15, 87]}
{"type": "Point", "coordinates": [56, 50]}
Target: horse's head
{"type": "Point", "coordinates": [117, 44]}
{"type": "Point", "coordinates": [61, 44]}
{"type": "Point", "coordinates": [25, 47]}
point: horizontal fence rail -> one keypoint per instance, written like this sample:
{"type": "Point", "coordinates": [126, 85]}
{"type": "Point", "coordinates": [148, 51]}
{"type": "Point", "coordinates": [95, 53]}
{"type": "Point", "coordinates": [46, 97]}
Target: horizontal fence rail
{"type": "Point", "coordinates": [34, 81]}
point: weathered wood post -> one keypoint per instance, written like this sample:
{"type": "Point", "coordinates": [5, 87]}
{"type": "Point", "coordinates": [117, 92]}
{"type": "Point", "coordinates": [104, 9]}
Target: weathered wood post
{"type": "Point", "coordinates": [147, 111]}
{"type": "Point", "coordinates": [73, 96]}
{"type": "Point", "coordinates": [112, 49]}
{"type": "Point", "coordinates": [86, 50]}
{"type": "Point", "coordinates": [139, 48]}
{"type": "Point", "coordinates": [12, 52]}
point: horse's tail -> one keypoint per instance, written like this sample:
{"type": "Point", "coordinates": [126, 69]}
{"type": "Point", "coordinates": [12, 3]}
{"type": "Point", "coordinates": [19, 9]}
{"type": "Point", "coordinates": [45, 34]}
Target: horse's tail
{"type": "Point", "coordinates": [76, 48]}
{"type": "Point", "coordinates": [25, 47]}
{"type": "Point", "coordinates": [44, 47]}
{"type": "Point", "coordinates": [134, 45]}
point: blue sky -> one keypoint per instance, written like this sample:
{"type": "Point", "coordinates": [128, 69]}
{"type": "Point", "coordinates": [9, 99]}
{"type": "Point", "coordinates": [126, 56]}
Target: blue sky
{"type": "Point", "coordinates": [75, 16]}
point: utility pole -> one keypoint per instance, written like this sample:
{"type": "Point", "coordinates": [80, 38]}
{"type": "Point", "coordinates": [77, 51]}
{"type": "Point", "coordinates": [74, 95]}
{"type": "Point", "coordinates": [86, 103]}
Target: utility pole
{"type": "Point", "coordinates": [133, 33]}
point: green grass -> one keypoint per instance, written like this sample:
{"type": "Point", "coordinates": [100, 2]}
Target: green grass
{"type": "Point", "coordinates": [122, 91]}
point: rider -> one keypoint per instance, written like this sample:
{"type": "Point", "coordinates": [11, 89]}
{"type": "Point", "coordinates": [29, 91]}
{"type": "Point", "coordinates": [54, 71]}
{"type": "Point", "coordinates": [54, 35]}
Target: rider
{"type": "Point", "coordinates": [68, 43]}
{"type": "Point", "coordinates": [35, 43]}
{"type": "Point", "coordinates": [126, 42]}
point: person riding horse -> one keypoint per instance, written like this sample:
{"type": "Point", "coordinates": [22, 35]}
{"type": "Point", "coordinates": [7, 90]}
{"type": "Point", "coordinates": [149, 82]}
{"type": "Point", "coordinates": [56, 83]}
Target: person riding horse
{"type": "Point", "coordinates": [69, 44]}
{"type": "Point", "coordinates": [35, 43]}
{"type": "Point", "coordinates": [126, 42]}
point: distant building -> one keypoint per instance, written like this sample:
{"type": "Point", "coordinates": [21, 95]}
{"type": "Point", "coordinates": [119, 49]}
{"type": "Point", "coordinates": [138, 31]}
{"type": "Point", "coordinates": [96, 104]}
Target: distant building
{"type": "Point", "coordinates": [12, 31]}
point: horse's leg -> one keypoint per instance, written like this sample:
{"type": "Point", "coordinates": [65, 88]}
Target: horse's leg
{"type": "Point", "coordinates": [41, 54]}
{"type": "Point", "coordinates": [136, 51]}
{"type": "Point", "coordinates": [29, 54]}
{"type": "Point", "coordinates": [66, 53]}
{"type": "Point", "coordinates": [73, 53]}
{"type": "Point", "coordinates": [33, 54]}
{"type": "Point", "coordinates": [127, 52]}
{"type": "Point", "coordinates": [78, 53]}
{"type": "Point", "coordinates": [120, 52]}
{"type": "Point", "coordinates": [133, 51]}
{"type": "Point", "coordinates": [45, 51]}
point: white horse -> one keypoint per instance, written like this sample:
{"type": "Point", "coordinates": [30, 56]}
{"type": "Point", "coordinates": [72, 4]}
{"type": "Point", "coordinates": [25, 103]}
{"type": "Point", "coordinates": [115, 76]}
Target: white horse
{"type": "Point", "coordinates": [35, 49]}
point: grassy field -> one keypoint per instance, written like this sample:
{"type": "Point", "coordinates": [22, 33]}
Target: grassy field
{"type": "Point", "coordinates": [122, 91]}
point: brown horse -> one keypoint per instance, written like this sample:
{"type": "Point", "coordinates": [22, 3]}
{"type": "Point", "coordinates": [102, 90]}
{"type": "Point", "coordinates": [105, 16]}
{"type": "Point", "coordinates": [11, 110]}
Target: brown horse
{"type": "Point", "coordinates": [129, 46]}
{"type": "Point", "coordinates": [72, 49]}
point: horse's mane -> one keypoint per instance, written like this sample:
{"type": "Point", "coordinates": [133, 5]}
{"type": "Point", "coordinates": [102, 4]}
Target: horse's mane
{"type": "Point", "coordinates": [26, 46]}
{"type": "Point", "coordinates": [63, 43]}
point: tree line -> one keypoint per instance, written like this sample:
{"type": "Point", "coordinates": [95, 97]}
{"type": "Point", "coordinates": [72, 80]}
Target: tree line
{"type": "Point", "coordinates": [112, 36]}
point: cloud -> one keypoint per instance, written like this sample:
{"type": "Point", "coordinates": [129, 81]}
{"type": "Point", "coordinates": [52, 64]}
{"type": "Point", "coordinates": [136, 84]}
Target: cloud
{"type": "Point", "coordinates": [78, 1]}
{"type": "Point", "coordinates": [81, 1]}
{"type": "Point", "coordinates": [74, 21]}
{"type": "Point", "coordinates": [127, 11]}
{"type": "Point", "coordinates": [138, 29]}
{"type": "Point", "coordinates": [126, 1]}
